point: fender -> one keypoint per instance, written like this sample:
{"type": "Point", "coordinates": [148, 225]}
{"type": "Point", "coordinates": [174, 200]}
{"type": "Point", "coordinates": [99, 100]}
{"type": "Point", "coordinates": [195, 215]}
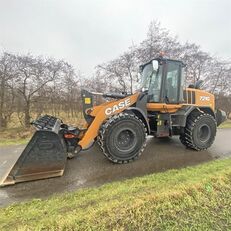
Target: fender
{"type": "Point", "coordinates": [179, 118]}
{"type": "Point", "coordinates": [141, 115]}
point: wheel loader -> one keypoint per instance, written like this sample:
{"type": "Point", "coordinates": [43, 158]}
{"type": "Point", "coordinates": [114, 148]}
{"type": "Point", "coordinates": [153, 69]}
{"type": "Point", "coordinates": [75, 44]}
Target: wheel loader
{"type": "Point", "coordinates": [162, 107]}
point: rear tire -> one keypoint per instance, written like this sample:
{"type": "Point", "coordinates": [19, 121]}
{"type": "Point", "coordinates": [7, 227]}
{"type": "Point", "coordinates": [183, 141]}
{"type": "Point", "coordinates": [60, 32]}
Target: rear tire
{"type": "Point", "coordinates": [199, 132]}
{"type": "Point", "coordinates": [122, 138]}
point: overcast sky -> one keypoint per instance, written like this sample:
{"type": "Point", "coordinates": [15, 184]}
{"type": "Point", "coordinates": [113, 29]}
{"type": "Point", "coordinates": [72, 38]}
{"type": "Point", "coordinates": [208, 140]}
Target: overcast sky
{"type": "Point", "coordinates": [87, 33]}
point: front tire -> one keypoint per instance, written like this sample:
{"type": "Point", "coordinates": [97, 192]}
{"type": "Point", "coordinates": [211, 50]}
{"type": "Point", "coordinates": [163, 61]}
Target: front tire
{"type": "Point", "coordinates": [122, 138]}
{"type": "Point", "coordinates": [199, 132]}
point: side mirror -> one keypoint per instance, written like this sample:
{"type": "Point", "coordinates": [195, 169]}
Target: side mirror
{"type": "Point", "coordinates": [155, 65]}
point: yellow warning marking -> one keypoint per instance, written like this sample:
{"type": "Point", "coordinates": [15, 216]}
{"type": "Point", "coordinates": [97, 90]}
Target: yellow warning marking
{"type": "Point", "coordinates": [87, 100]}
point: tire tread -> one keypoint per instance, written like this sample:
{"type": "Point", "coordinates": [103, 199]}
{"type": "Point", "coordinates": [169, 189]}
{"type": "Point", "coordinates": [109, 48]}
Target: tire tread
{"type": "Point", "coordinates": [187, 137]}
{"type": "Point", "coordinates": [108, 125]}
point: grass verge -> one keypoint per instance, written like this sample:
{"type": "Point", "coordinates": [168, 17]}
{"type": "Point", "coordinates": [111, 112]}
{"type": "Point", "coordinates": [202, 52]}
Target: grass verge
{"type": "Point", "coordinates": [194, 198]}
{"type": "Point", "coordinates": [16, 134]}
{"type": "Point", "coordinates": [226, 124]}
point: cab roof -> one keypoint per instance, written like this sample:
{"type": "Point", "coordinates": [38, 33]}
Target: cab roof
{"type": "Point", "coordinates": [161, 59]}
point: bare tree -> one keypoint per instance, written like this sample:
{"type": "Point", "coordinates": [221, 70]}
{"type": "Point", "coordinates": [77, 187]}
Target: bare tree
{"type": "Point", "coordinates": [71, 90]}
{"type": "Point", "coordinates": [7, 88]}
{"type": "Point", "coordinates": [31, 84]}
{"type": "Point", "coordinates": [224, 102]}
{"type": "Point", "coordinates": [121, 73]}
{"type": "Point", "coordinates": [154, 43]}
{"type": "Point", "coordinates": [34, 73]}
{"type": "Point", "coordinates": [200, 65]}
{"type": "Point", "coordinates": [219, 81]}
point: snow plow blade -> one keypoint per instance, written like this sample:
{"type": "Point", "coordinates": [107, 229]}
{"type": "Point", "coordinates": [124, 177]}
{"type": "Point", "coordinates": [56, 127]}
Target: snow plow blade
{"type": "Point", "coordinates": [44, 157]}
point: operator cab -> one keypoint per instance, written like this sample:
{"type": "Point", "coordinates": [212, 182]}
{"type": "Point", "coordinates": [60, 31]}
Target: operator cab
{"type": "Point", "coordinates": [163, 80]}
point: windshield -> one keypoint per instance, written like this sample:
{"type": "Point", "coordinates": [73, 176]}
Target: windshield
{"type": "Point", "coordinates": [152, 80]}
{"type": "Point", "coordinates": [147, 73]}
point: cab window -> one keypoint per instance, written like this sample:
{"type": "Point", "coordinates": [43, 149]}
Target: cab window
{"type": "Point", "coordinates": [172, 83]}
{"type": "Point", "coordinates": [155, 86]}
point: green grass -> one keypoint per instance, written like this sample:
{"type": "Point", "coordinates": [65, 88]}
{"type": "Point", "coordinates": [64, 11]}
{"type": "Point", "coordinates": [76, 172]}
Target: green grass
{"type": "Point", "coordinates": [194, 198]}
{"type": "Point", "coordinates": [13, 142]}
{"type": "Point", "coordinates": [226, 124]}
{"type": "Point", "coordinates": [15, 135]}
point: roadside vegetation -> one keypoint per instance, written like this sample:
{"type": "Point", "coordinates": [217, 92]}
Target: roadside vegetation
{"type": "Point", "coordinates": [226, 124]}
{"type": "Point", "coordinates": [194, 198]}
{"type": "Point", "coordinates": [18, 134]}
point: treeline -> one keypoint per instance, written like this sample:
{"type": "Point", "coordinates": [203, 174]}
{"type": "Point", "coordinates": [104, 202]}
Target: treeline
{"type": "Point", "coordinates": [33, 84]}
{"type": "Point", "coordinates": [36, 84]}
{"type": "Point", "coordinates": [121, 73]}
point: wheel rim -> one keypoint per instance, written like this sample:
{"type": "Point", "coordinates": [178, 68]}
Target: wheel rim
{"type": "Point", "coordinates": [204, 133]}
{"type": "Point", "coordinates": [125, 140]}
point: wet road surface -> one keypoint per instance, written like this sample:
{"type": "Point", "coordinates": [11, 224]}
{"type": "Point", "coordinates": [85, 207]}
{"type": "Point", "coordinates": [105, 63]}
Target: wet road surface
{"type": "Point", "coordinates": [91, 168]}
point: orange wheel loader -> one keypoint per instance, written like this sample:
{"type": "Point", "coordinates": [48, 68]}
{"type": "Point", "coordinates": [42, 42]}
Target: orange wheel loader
{"type": "Point", "coordinates": [162, 107]}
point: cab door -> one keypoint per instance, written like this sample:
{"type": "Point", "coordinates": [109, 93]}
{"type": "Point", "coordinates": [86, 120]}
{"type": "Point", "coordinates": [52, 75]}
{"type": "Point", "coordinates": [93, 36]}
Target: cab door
{"type": "Point", "coordinates": [172, 92]}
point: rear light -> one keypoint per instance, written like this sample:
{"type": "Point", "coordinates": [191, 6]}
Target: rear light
{"type": "Point", "coordinates": [69, 136]}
